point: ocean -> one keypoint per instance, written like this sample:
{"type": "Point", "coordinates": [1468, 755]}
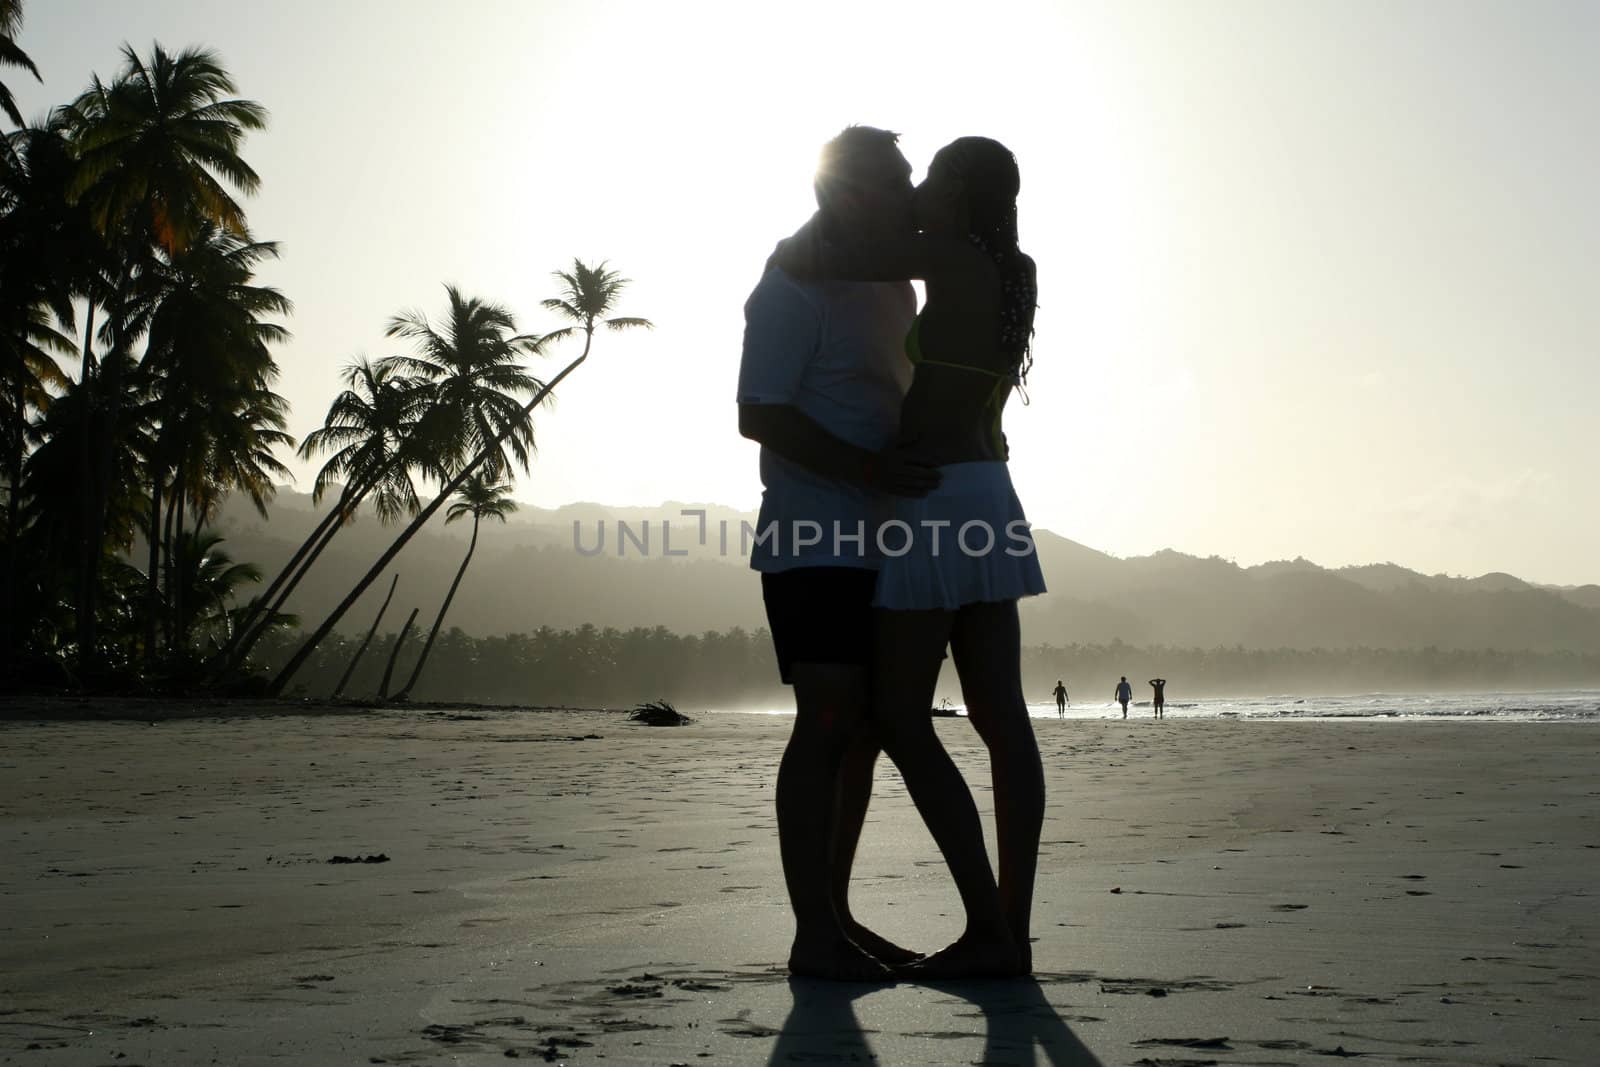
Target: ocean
{"type": "Point", "coordinates": [1565, 705]}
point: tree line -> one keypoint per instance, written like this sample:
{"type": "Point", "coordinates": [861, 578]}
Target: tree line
{"type": "Point", "coordinates": [137, 353]}
{"type": "Point", "coordinates": [590, 666]}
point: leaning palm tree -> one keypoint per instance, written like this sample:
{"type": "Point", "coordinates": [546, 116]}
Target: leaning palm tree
{"type": "Point", "coordinates": [12, 56]}
{"type": "Point", "coordinates": [473, 361]}
{"type": "Point", "coordinates": [480, 499]}
{"type": "Point", "coordinates": [588, 296]}
{"type": "Point", "coordinates": [370, 436]}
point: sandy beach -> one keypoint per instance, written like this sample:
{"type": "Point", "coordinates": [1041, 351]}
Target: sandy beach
{"type": "Point", "coordinates": [572, 887]}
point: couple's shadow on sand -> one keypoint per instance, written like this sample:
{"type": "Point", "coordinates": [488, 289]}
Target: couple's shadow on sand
{"type": "Point", "coordinates": [823, 1027]}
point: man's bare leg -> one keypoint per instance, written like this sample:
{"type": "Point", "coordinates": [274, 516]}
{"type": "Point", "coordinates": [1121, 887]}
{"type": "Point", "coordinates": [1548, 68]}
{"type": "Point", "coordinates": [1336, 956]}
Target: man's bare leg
{"type": "Point", "coordinates": [830, 707]}
{"type": "Point", "coordinates": [986, 645]}
{"type": "Point", "coordinates": [856, 771]}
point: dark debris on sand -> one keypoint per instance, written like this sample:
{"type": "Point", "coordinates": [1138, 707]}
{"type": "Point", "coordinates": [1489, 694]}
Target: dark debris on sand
{"type": "Point", "coordinates": [659, 713]}
{"type": "Point", "coordinates": [379, 857]}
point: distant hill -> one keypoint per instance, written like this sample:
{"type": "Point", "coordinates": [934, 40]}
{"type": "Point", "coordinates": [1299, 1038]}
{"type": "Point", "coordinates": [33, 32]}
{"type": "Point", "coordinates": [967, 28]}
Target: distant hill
{"type": "Point", "coordinates": [527, 574]}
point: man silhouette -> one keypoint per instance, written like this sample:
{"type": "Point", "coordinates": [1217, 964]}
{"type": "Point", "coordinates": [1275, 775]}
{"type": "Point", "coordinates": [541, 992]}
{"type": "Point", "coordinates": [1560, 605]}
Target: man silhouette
{"type": "Point", "coordinates": [1160, 685]}
{"type": "Point", "coordinates": [1061, 699]}
{"type": "Point", "coordinates": [1124, 694]}
{"type": "Point", "coordinates": [821, 380]}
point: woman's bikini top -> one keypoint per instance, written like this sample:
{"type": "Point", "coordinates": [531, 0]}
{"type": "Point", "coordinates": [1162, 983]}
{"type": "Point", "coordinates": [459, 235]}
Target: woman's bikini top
{"type": "Point", "coordinates": [1003, 382]}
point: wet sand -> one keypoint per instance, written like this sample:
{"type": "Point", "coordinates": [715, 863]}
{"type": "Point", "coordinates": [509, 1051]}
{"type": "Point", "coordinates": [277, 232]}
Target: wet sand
{"type": "Point", "coordinates": [571, 887]}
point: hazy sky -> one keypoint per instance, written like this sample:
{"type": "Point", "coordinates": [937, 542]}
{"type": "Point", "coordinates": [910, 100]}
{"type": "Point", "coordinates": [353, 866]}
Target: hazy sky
{"type": "Point", "coordinates": [1315, 278]}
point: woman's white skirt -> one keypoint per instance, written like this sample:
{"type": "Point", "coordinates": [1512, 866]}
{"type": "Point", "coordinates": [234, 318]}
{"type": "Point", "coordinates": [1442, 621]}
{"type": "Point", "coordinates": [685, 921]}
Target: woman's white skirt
{"type": "Point", "coordinates": [966, 542]}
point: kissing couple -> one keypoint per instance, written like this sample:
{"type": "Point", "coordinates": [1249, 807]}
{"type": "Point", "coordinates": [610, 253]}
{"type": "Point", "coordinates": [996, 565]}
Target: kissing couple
{"type": "Point", "coordinates": [889, 528]}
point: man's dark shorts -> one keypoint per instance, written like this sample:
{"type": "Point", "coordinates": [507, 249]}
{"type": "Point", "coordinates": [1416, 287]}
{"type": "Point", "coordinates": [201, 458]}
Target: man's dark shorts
{"type": "Point", "coordinates": [820, 615]}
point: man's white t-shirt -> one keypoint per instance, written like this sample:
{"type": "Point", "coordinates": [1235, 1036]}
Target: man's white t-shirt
{"type": "Point", "coordinates": [835, 351]}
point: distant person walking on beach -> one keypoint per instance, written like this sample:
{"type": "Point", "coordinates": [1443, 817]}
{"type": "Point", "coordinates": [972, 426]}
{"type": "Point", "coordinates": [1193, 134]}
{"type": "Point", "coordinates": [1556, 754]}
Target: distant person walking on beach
{"type": "Point", "coordinates": [1124, 694]}
{"type": "Point", "coordinates": [821, 381]}
{"type": "Point", "coordinates": [1160, 701]}
{"type": "Point", "coordinates": [1061, 698]}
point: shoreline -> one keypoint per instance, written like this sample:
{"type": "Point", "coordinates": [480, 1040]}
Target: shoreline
{"type": "Point", "coordinates": [55, 706]}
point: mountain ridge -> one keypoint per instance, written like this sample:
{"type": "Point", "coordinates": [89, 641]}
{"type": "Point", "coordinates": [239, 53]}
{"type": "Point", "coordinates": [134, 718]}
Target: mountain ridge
{"type": "Point", "coordinates": [546, 567]}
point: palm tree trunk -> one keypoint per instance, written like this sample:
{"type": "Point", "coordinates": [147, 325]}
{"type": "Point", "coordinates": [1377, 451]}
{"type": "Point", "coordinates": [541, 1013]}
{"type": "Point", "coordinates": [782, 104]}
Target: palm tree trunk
{"type": "Point", "coordinates": [169, 551]}
{"type": "Point", "coordinates": [169, 544]}
{"type": "Point", "coordinates": [305, 650]}
{"type": "Point", "coordinates": [105, 446]}
{"type": "Point", "coordinates": [348, 671]}
{"type": "Point", "coordinates": [261, 613]}
{"type": "Point", "coordinates": [179, 552]}
{"type": "Point", "coordinates": [153, 586]}
{"type": "Point", "coordinates": [88, 543]}
{"type": "Point", "coordinates": [427, 646]}
{"type": "Point", "coordinates": [325, 533]}
{"type": "Point", "coordinates": [8, 634]}
{"type": "Point", "coordinates": [399, 642]}
{"type": "Point", "coordinates": [192, 602]}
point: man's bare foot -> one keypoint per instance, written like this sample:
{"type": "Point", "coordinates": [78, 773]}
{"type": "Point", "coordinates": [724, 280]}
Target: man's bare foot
{"type": "Point", "coordinates": [969, 957]}
{"type": "Point", "coordinates": [838, 960]}
{"type": "Point", "coordinates": [880, 947]}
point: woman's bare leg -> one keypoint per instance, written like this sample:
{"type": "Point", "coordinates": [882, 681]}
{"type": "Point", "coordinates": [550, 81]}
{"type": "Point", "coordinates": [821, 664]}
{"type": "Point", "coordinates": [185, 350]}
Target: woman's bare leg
{"type": "Point", "coordinates": [986, 643]}
{"type": "Point", "coordinates": [905, 673]}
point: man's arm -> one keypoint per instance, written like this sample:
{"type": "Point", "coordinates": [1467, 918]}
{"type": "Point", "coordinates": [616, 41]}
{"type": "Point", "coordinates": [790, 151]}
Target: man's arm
{"type": "Point", "coordinates": [800, 439]}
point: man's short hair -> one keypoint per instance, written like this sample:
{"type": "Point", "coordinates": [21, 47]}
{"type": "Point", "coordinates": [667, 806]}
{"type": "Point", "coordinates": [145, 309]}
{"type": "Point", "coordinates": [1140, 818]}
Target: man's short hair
{"type": "Point", "coordinates": [849, 158]}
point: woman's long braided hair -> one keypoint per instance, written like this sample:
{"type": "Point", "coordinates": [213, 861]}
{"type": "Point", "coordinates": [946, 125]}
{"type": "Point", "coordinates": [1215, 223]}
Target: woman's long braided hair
{"type": "Point", "coordinates": [989, 173]}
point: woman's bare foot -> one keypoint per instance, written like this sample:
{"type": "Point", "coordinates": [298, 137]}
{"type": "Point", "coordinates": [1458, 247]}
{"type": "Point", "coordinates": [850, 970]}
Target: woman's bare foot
{"type": "Point", "coordinates": [880, 947]}
{"type": "Point", "coordinates": [838, 960]}
{"type": "Point", "coordinates": [1025, 960]}
{"type": "Point", "coordinates": [970, 956]}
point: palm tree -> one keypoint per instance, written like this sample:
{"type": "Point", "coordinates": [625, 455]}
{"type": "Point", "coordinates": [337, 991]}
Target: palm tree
{"type": "Point", "coordinates": [12, 56]}
{"type": "Point", "coordinates": [47, 249]}
{"type": "Point", "coordinates": [157, 144]}
{"type": "Point", "coordinates": [472, 361]}
{"type": "Point", "coordinates": [157, 148]}
{"type": "Point", "coordinates": [53, 497]}
{"type": "Point", "coordinates": [209, 368]}
{"type": "Point", "coordinates": [43, 246]}
{"type": "Point", "coordinates": [27, 341]}
{"type": "Point", "coordinates": [482, 500]}
{"type": "Point", "coordinates": [588, 296]}
{"type": "Point", "coordinates": [369, 432]}
{"type": "Point", "coordinates": [211, 578]}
